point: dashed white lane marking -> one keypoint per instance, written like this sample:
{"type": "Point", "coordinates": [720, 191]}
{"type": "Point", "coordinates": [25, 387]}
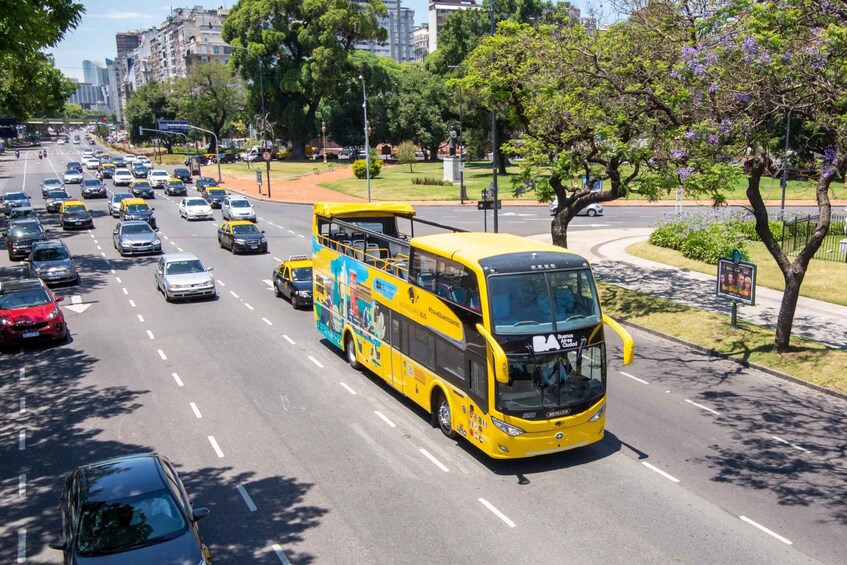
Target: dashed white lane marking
{"type": "Point", "coordinates": [277, 259]}
{"type": "Point", "coordinates": [216, 447]}
{"type": "Point", "coordinates": [437, 463]}
{"type": "Point", "coordinates": [99, 248]}
{"type": "Point", "coordinates": [300, 235]}
{"type": "Point", "coordinates": [794, 445]}
{"type": "Point", "coordinates": [281, 555]}
{"type": "Point", "coordinates": [103, 253]}
{"type": "Point", "coordinates": [706, 408]}
{"type": "Point", "coordinates": [497, 513]}
{"type": "Point", "coordinates": [125, 290]}
{"type": "Point", "coordinates": [96, 242]}
{"type": "Point", "coordinates": [350, 390]}
{"type": "Point", "coordinates": [248, 306]}
{"type": "Point", "coordinates": [288, 339]}
{"type": "Point", "coordinates": [113, 271]}
{"type": "Point", "coordinates": [22, 485]}
{"type": "Point", "coordinates": [22, 440]}
{"type": "Point", "coordinates": [290, 231]}
{"type": "Point", "coordinates": [22, 372]}
{"type": "Point", "coordinates": [177, 379]}
{"type": "Point", "coordinates": [118, 279]}
{"type": "Point", "coordinates": [767, 531]}
{"type": "Point", "coordinates": [657, 470]}
{"type": "Point", "coordinates": [91, 234]}
{"type": "Point", "coordinates": [141, 318]}
{"type": "Point", "coordinates": [23, 405]}
{"type": "Point", "coordinates": [173, 243]}
{"type": "Point", "coordinates": [268, 322]}
{"type": "Point", "coordinates": [385, 419]}
{"type": "Point", "coordinates": [162, 355]}
{"type": "Point", "coordinates": [233, 294]}
{"type": "Point", "coordinates": [165, 237]}
{"type": "Point", "coordinates": [220, 282]}
{"type": "Point", "coordinates": [268, 282]}
{"type": "Point", "coordinates": [316, 362]}
{"type": "Point", "coordinates": [150, 334]}
{"type": "Point", "coordinates": [195, 410]}
{"type": "Point", "coordinates": [22, 545]}
{"type": "Point", "coordinates": [251, 506]}
{"type": "Point", "coordinates": [132, 303]}
{"type": "Point", "coordinates": [634, 378]}
{"type": "Point", "coordinates": [179, 249]}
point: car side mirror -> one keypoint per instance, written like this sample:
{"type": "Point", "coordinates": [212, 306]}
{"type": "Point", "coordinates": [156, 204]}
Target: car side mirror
{"type": "Point", "coordinates": [60, 544]}
{"type": "Point", "coordinates": [263, 231]}
{"type": "Point", "coordinates": [210, 269]}
{"type": "Point", "coordinates": [59, 298]}
{"type": "Point", "coordinates": [198, 514]}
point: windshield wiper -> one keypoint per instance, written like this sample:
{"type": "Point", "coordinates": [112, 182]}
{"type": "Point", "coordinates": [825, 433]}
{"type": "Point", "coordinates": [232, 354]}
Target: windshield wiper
{"type": "Point", "coordinates": [578, 360]}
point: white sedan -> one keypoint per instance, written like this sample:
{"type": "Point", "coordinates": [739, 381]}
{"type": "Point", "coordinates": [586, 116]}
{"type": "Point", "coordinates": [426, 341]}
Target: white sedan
{"type": "Point", "coordinates": [158, 178]}
{"type": "Point", "coordinates": [195, 209]}
{"type": "Point", "coordinates": [92, 164]}
{"type": "Point", "coordinates": [129, 158]}
{"type": "Point", "coordinates": [122, 177]}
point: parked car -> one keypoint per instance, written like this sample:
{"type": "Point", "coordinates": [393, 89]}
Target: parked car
{"type": "Point", "coordinates": [140, 188]}
{"type": "Point", "coordinates": [292, 279]}
{"type": "Point", "coordinates": [133, 237]}
{"type": "Point", "coordinates": [176, 187]}
{"type": "Point", "coordinates": [53, 200]}
{"type": "Point", "coordinates": [137, 209]}
{"type": "Point", "coordinates": [75, 214]}
{"type": "Point", "coordinates": [237, 207]}
{"type": "Point", "coordinates": [130, 509]}
{"type": "Point", "coordinates": [182, 276]}
{"type": "Point", "coordinates": [14, 200]}
{"type": "Point", "coordinates": [242, 236]}
{"type": "Point", "coordinates": [228, 158]}
{"type": "Point", "coordinates": [51, 262]}
{"type": "Point", "coordinates": [93, 188]}
{"type": "Point", "coordinates": [122, 177]}
{"type": "Point", "coordinates": [49, 184]}
{"type": "Point", "coordinates": [195, 209]}
{"type": "Point", "coordinates": [183, 174]}
{"type": "Point", "coordinates": [30, 311]}
{"type": "Point", "coordinates": [21, 235]}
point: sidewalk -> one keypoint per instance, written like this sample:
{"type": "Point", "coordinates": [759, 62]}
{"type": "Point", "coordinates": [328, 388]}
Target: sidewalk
{"type": "Point", "coordinates": [606, 250]}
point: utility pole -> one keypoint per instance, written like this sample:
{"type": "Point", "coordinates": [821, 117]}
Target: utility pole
{"type": "Point", "coordinates": [494, 189]}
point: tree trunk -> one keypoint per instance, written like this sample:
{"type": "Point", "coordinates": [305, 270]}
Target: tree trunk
{"type": "Point", "coordinates": [559, 228]}
{"type": "Point", "coordinates": [502, 162]}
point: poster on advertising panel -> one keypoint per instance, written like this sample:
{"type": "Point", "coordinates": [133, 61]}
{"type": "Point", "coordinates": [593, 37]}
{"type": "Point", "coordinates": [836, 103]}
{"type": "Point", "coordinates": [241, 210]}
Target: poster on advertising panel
{"type": "Point", "coordinates": [737, 281]}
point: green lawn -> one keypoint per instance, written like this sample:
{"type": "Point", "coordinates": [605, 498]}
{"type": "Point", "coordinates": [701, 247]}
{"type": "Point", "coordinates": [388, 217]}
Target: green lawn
{"type": "Point", "coordinates": [817, 284]}
{"type": "Point", "coordinates": [807, 360]}
{"type": "Point", "coordinates": [281, 170]}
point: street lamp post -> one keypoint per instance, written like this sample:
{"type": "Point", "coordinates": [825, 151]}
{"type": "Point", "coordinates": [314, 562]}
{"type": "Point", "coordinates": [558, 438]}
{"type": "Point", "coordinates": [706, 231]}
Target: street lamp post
{"type": "Point", "coordinates": [462, 195]}
{"type": "Point", "coordinates": [493, 134]}
{"type": "Point", "coordinates": [367, 143]}
{"type": "Point", "coordinates": [323, 134]}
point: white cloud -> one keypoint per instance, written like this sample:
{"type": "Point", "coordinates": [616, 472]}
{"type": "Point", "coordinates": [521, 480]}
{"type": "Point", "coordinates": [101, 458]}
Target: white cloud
{"type": "Point", "coordinates": [111, 15]}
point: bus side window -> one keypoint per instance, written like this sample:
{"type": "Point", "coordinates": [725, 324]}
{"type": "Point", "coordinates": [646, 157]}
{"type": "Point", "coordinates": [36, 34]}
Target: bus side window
{"type": "Point", "coordinates": [478, 387]}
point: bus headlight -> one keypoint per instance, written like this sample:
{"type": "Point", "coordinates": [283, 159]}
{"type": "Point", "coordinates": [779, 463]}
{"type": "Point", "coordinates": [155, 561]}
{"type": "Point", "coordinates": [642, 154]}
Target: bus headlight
{"type": "Point", "coordinates": [507, 429]}
{"type": "Point", "coordinates": [599, 414]}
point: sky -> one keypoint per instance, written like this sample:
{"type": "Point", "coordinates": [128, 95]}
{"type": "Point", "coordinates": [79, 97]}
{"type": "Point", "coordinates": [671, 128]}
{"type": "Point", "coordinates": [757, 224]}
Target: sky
{"type": "Point", "coordinates": [94, 38]}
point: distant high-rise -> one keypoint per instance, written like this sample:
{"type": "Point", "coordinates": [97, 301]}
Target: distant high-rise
{"type": "Point", "coordinates": [400, 24]}
{"type": "Point", "coordinates": [94, 72]}
{"type": "Point", "coordinates": [126, 42]}
{"type": "Point", "coordinates": [439, 11]}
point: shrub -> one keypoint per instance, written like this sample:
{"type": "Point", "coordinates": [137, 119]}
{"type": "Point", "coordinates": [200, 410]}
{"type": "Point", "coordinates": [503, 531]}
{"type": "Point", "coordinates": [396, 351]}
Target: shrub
{"type": "Point", "coordinates": [702, 237]}
{"type": "Point", "coordinates": [406, 154]}
{"type": "Point", "coordinates": [431, 181]}
{"type": "Point", "coordinates": [360, 165]}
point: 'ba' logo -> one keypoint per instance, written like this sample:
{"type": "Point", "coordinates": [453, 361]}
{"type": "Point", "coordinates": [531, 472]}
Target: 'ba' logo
{"type": "Point", "coordinates": [540, 344]}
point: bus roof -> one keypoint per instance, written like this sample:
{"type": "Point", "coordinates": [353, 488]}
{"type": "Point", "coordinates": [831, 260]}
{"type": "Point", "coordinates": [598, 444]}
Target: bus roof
{"type": "Point", "coordinates": [473, 247]}
{"type": "Point", "coordinates": [344, 209]}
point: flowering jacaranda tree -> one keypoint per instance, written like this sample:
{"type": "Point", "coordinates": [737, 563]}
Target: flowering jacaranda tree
{"type": "Point", "coordinates": [749, 66]}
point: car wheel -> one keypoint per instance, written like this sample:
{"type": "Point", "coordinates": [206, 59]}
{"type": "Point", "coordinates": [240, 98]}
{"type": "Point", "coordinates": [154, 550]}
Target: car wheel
{"type": "Point", "coordinates": [444, 417]}
{"type": "Point", "coordinates": [350, 349]}
{"type": "Point", "coordinates": [221, 243]}
{"type": "Point", "coordinates": [277, 292]}
{"type": "Point", "coordinates": [591, 212]}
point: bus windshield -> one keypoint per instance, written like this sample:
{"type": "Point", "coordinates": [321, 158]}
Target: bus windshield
{"type": "Point", "coordinates": [528, 303]}
{"type": "Point", "coordinates": [553, 380]}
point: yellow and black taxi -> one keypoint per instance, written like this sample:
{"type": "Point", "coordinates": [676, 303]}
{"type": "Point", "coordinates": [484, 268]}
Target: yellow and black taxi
{"type": "Point", "coordinates": [238, 236]}
{"type": "Point", "coordinates": [292, 279]}
{"type": "Point", "coordinates": [74, 214]}
{"type": "Point", "coordinates": [137, 209]}
{"type": "Point", "coordinates": [175, 187]}
{"type": "Point", "coordinates": [141, 188]}
{"type": "Point", "coordinates": [214, 196]}
{"type": "Point", "coordinates": [106, 170]}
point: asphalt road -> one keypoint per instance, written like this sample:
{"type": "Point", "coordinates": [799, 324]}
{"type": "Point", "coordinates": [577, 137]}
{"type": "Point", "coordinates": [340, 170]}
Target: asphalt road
{"type": "Point", "coordinates": [304, 460]}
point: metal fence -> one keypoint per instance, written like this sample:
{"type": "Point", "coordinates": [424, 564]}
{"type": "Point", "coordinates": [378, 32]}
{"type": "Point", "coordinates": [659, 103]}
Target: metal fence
{"type": "Point", "coordinates": [796, 232]}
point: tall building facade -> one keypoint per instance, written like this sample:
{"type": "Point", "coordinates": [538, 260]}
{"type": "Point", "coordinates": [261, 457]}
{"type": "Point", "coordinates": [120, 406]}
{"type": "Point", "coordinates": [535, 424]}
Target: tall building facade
{"type": "Point", "coordinates": [91, 96]}
{"type": "Point", "coordinates": [125, 42]}
{"type": "Point", "coordinates": [400, 25]}
{"type": "Point", "coordinates": [421, 39]}
{"type": "Point", "coordinates": [439, 11]}
{"type": "Point", "coordinates": [95, 72]}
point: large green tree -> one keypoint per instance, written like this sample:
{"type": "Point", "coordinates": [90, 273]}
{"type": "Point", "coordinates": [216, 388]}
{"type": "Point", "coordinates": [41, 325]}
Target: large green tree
{"type": "Point", "coordinates": [419, 108]}
{"type": "Point", "coordinates": [212, 98]}
{"type": "Point", "coordinates": [146, 105]}
{"type": "Point", "coordinates": [304, 47]}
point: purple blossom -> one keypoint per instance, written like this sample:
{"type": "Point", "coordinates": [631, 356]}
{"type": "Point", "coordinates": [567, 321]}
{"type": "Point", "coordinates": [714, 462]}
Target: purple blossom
{"type": "Point", "coordinates": [691, 134]}
{"type": "Point", "coordinates": [685, 172]}
{"type": "Point", "coordinates": [712, 139]}
{"type": "Point", "coordinates": [567, 114]}
{"type": "Point", "coordinates": [677, 153]}
{"type": "Point", "coordinates": [651, 161]}
{"type": "Point", "coordinates": [713, 88]}
{"type": "Point", "coordinates": [725, 126]}
{"type": "Point", "coordinates": [750, 47]}
{"type": "Point", "coordinates": [743, 97]}
{"type": "Point", "coordinates": [829, 155]}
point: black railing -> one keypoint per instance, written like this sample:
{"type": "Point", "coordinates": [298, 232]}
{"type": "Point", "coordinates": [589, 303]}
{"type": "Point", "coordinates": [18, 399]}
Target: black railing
{"type": "Point", "coordinates": [796, 232]}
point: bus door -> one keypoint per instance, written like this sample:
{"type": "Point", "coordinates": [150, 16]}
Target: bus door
{"type": "Point", "coordinates": [397, 366]}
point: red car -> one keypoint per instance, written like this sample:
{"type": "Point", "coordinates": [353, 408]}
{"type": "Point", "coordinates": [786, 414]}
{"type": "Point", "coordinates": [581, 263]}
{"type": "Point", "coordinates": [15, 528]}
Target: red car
{"type": "Point", "coordinates": [29, 311]}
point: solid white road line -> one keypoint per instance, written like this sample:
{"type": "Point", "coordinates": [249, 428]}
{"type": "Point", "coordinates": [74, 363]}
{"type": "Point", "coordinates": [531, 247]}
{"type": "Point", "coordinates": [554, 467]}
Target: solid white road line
{"type": "Point", "coordinates": [141, 318]}
{"type": "Point", "coordinates": [195, 410]}
{"type": "Point", "coordinates": [150, 334]}
{"type": "Point", "coordinates": [385, 419]}
{"type": "Point", "coordinates": [22, 485]}
{"type": "Point", "coordinates": [497, 513]}
{"type": "Point", "coordinates": [350, 390]}
{"type": "Point", "coordinates": [177, 379]}
{"type": "Point", "coordinates": [23, 405]}
{"type": "Point", "coordinates": [162, 355]}
{"type": "Point", "coordinates": [657, 470]}
{"type": "Point", "coordinates": [634, 378]}
{"type": "Point", "coordinates": [268, 322]}
{"type": "Point", "coordinates": [288, 339]}
{"type": "Point", "coordinates": [132, 303]}
{"type": "Point", "coordinates": [248, 306]}
{"type": "Point", "coordinates": [233, 294]}
{"type": "Point", "coordinates": [251, 506]}
{"type": "Point", "coordinates": [438, 463]}
{"type": "Point", "coordinates": [767, 531]}
{"type": "Point", "coordinates": [22, 545]}
{"type": "Point", "coordinates": [281, 555]}
{"type": "Point", "coordinates": [703, 407]}
{"type": "Point", "coordinates": [315, 361]}
{"type": "Point", "coordinates": [22, 440]}
{"type": "Point", "coordinates": [216, 447]}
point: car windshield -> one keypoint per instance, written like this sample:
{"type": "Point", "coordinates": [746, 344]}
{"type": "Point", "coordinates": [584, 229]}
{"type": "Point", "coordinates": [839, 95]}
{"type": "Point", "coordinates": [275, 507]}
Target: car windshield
{"type": "Point", "coordinates": [177, 184]}
{"type": "Point", "coordinates": [217, 193]}
{"type": "Point", "coordinates": [120, 196]}
{"type": "Point", "coordinates": [24, 299]}
{"type": "Point", "coordinates": [302, 274]}
{"type": "Point", "coordinates": [181, 171]}
{"type": "Point", "coordinates": [184, 267]}
{"type": "Point", "coordinates": [53, 182]}
{"type": "Point", "coordinates": [90, 182]}
{"type": "Point", "coordinates": [141, 185]}
{"type": "Point", "coordinates": [207, 180]}
{"type": "Point", "coordinates": [28, 229]}
{"type": "Point", "coordinates": [15, 196]}
{"type": "Point", "coordinates": [521, 304]}
{"type": "Point", "coordinates": [57, 194]}
{"type": "Point", "coordinates": [136, 228]}
{"type": "Point", "coordinates": [74, 208]}
{"type": "Point", "coordinates": [68, 172]}
{"type": "Point", "coordinates": [137, 208]}
{"type": "Point", "coordinates": [245, 229]}
{"type": "Point", "coordinates": [196, 202]}
{"type": "Point", "coordinates": [50, 254]}
{"type": "Point", "coordinates": [239, 204]}
{"type": "Point", "coordinates": [126, 523]}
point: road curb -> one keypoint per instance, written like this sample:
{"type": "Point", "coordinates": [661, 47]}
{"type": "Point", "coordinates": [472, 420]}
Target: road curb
{"type": "Point", "coordinates": [744, 363]}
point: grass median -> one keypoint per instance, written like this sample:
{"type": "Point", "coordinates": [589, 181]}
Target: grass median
{"type": "Point", "coordinates": [807, 360]}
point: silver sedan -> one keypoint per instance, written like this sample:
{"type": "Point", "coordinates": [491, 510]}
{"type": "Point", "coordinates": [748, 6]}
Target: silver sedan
{"type": "Point", "coordinates": [182, 276]}
{"type": "Point", "coordinates": [195, 209]}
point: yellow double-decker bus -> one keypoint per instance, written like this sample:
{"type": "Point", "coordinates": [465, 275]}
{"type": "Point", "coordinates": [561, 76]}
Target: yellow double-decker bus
{"type": "Point", "coordinates": [501, 338]}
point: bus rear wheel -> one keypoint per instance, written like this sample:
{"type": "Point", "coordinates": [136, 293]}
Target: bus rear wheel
{"type": "Point", "coordinates": [445, 418]}
{"type": "Point", "coordinates": [350, 348]}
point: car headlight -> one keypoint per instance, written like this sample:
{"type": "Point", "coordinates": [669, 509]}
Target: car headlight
{"type": "Point", "coordinates": [240, 241]}
{"type": "Point", "coordinates": [304, 293]}
{"type": "Point", "coordinates": [209, 284]}
{"type": "Point", "coordinates": [157, 242]}
{"type": "Point", "coordinates": [177, 286]}
{"type": "Point", "coordinates": [599, 414]}
{"type": "Point", "coordinates": [126, 244]}
{"type": "Point", "coordinates": [507, 429]}
{"type": "Point", "coordinates": [264, 240]}
{"type": "Point", "coordinates": [5, 322]}
{"type": "Point", "coordinates": [54, 313]}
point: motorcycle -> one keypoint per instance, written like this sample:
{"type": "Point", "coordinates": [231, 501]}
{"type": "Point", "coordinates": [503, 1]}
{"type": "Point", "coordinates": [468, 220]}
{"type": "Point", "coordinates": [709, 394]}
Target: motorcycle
{"type": "Point", "coordinates": [45, 153]}
{"type": "Point", "coordinates": [40, 155]}
{"type": "Point", "coordinates": [17, 154]}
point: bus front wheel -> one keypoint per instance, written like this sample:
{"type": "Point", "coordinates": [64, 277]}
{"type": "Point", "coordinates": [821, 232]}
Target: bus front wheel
{"type": "Point", "coordinates": [445, 418]}
{"type": "Point", "coordinates": [350, 348]}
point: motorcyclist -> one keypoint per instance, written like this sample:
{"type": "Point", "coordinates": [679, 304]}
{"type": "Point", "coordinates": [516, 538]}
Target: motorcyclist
{"type": "Point", "coordinates": [40, 155]}
{"type": "Point", "coordinates": [45, 153]}
{"type": "Point", "coordinates": [17, 154]}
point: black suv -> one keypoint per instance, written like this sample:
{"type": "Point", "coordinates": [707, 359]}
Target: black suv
{"type": "Point", "coordinates": [183, 174]}
{"type": "Point", "coordinates": [21, 235]}
{"type": "Point", "coordinates": [228, 158]}
{"type": "Point", "coordinates": [139, 170]}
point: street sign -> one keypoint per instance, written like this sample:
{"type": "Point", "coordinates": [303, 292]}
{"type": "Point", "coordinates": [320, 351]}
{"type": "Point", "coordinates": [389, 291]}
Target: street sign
{"type": "Point", "coordinates": [174, 125]}
{"type": "Point", "coordinates": [140, 131]}
{"type": "Point", "coordinates": [266, 155]}
{"type": "Point", "coordinates": [259, 178]}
